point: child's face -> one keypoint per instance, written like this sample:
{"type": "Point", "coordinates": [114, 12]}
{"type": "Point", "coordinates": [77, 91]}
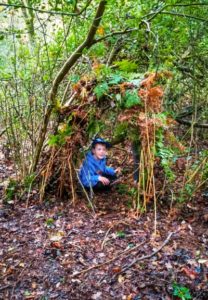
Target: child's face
{"type": "Point", "coordinates": [99, 151]}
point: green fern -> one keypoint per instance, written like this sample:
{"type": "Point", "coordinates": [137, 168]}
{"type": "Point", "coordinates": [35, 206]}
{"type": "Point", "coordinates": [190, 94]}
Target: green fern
{"type": "Point", "coordinates": [126, 65]}
{"type": "Point", "coordinates": [101, 89]}
{"type": "Point", "coordinates": [131, 98]}
{"type": "Point", "coordinates": [181, 292]}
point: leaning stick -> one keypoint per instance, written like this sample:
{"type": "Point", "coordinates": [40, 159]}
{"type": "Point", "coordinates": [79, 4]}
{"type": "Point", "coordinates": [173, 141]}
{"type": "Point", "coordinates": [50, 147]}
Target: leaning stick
{"type": "Point", "coordinates": [147, 256]}
{"type": "Point", "coordinates": [108, 261]}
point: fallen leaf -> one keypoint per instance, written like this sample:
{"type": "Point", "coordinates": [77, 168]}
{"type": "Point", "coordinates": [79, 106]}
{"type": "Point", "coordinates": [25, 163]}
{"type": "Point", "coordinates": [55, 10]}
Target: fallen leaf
{"type": "Point", "coordinates": [34, 285]}
{"type": "Point", "coordinates": [96, 296]}
{"type": "Point", "coordinates": [116, 269]}
{"type": "Point", "coordinates": [56, 245]}
{"type": "Point", "coordinates": [121, 278]}
{"type": "Point", "coordinates": [202, 261]}
{"type": "Point", "coordinates": [56, 236]}
{"type": "Point", "coordinates": [68, 226]}
{"type": "Point", "coordinates": [21, 265]}
{"type": "Point", "coordinates": [190, 273]}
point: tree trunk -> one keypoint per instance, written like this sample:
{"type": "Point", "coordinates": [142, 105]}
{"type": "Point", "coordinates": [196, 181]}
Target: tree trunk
{"type": "Point", "coordinates": [88, 42]}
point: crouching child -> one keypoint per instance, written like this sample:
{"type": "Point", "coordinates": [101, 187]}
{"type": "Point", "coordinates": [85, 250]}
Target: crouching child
{"type": "Point", "coordinates": [94, 173]}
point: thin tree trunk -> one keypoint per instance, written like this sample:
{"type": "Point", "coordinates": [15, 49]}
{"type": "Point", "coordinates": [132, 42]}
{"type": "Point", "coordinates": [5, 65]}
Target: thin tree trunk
{"type": "Point", "coordinates": [88, 42]}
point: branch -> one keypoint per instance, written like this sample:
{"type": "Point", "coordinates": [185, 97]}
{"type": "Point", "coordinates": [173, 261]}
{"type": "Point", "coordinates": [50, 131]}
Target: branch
{"type": "Point", "coordinates": [125, 31]}
{"type": "Point", "coordinates": [3, 131]}
{"type": "Point", "coordinates": [87, 43]}
{"type": "Point", "coordinates": [183, 15]}
{"type": "Point", "coordinates": [189, 123]}
{"type": "Point", "coordinates": [46, 11]}
{"type": "Point", "coordinates": [186, 4]}
{"type": "Point", "coordinates": [136, 260]}
{"type": "Point", "coordinates": [108, 261]}
{"type": "Point", "coordinates": [5, 287]}
{"type": "Point", "coordinates": [154, 14]}
{"type": "Point", "coordinates": [78, 52]}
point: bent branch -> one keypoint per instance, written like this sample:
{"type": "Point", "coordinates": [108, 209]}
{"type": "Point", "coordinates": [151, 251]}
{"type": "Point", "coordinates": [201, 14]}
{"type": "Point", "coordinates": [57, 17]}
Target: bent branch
{"type": "Point", "coordinates": [87, 43]}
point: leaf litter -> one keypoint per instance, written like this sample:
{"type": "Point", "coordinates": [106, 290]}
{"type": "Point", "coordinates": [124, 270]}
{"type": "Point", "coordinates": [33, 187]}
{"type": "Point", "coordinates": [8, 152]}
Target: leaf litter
{"type": "Point", "coordinates": [55, 251]}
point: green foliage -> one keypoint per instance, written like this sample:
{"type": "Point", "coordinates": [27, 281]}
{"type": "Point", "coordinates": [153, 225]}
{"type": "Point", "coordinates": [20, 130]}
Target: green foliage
{"type": "Point", "coordinates": [60, 138]}
{"type": "Point", "coordinates": [121, 234]}
{"type": "Point", "coordinates": [204, 171]}
{"type": "Point", "coordinates": [11, 190]}
{"type": "Point", "coordinates": [115, 79]}
{"type": "Point", "coordinates": [101, 89]}
{"type": "Point", "coordinates": [94, 126]}
{"type": "Point", "coordinates": [186, 192]}
{"type": "Point", "coordinates": [122, 189]}
{"type": "Point", "coordinates": [133, 192]}
{"type": "Point", "coordinates": [131, 98]}
{"type": "Point", "coordinates": [74, 78]}
{"type": "Point", "coordinates": [120, 131]}
{"type": "Point", "coordinates": [166, 155]}
{"type": "Point", "coordinates": [102, 72]}
{"type": "Point", "coordinates": [28, 180]}
{"type": "Point", "coordinates": [49, 222]}
{"type": "Point", "coordinates": [28, 68]}
{"type": "Point", "coordinates": [126, 66]}
{"type": "Point", "coordinates": [181, 291]}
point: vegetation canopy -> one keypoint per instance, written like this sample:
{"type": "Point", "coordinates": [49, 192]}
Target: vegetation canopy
{"type": "Point", "coordinates": [125, 70]}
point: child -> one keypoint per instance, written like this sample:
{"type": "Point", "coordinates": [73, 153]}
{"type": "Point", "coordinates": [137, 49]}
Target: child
{"type": "Point", "coordinates": [94, 173]}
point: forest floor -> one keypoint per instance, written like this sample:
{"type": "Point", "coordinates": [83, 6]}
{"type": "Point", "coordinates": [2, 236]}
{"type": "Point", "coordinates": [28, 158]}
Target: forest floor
{"type": "Point", "coordinates": [56, 251]}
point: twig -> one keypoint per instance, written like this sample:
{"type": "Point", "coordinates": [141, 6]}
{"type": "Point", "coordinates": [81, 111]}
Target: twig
{"type": "Point", "coordinates": [108, 261]}
{"type": "Point", "coordinates": [109, 229]}
{"type": "Point", "coordinates": [86, 194]}
{"type": "Point", "coordinates": [20, 277]}
{"type": "Point", "coordinates": [71, 179]}
{"type": "Point", "coordinates": [189, 123]}
{"type": "Point", "coordinates": [146, 256]}
{"type": "Point", "coordinates": [116, 181]}
{"type": "Point", "coordinates": [3, 131]}
{"type": "Point", "coordinates": [5, 287]}
{"type": "Point", "coordinates": [105, 238]}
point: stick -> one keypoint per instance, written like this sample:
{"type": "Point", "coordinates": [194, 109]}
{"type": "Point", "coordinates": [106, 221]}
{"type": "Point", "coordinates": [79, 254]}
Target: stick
{"type": "Point", "coordinates": [86, 194]}
{"type": "Point", "coordinates": [109, 229]}
{"type": "Point", "coordinates": [3, 131]}
{"type": "Point", "coordinates": [71, 179]}
{"type": "Point", "coordinates": [146, 256]}
{"type": "Point", "coordinates": [103, 243]}
{"type": "Point", "coordinates": [5, 287]}
{"type": "Point", "coordinates": [108, 261]}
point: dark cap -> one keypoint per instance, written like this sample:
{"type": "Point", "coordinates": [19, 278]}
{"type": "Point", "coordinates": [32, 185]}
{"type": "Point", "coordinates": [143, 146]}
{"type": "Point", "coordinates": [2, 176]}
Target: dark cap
{"type": "Point", "coordinates": [100, 141]}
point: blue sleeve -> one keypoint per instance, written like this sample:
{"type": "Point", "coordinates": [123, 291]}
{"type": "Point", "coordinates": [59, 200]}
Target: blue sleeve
{"type": "Point", "coordinates": [87, 174]}
{"type": "Point", "coordinates": [91, 178]}
{"type": "Point", "coordinates": [109, 171]}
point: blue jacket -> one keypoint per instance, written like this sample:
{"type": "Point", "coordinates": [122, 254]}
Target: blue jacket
{"type": "Point", "coordinates": [92, 168]}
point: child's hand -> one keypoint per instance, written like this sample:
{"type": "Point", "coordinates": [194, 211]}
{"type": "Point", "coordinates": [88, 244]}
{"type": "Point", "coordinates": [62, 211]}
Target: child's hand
{"type": "Point", "coordinates": [104, 180]}
{"type": "Point", "coordinates": [118, 171]}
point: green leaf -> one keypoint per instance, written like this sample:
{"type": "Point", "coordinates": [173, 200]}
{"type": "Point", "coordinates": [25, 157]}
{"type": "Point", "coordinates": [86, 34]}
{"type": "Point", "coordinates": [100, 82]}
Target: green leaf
{"type": "Point", "coordinates": [94, 127]}
{"type": "Point", "coordinates": [115, 79]}
{"type": "Point", "coordinates": [75, 78]}
{"type": "Point", "coordinates": [101, 89]}
{"type": "Point", "coordinates": [49, 222]}
{"type": "Point", "coordinates": [53, 140]}
{"type": "Point", "coordinates": [126, 65]}
{"type": "Point", "coordinates": [181, 291]}
{"type": "Point", "coordinates": [131, 98]}
{"type": "Point", "coordinates": [121, 234]}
